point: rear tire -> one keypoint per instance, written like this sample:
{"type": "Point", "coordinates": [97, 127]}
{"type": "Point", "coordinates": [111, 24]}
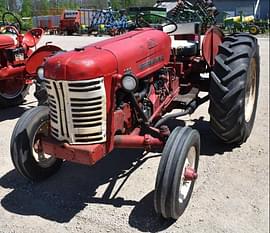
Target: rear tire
{"type": "Point", "coordinates": [234, 88]}
{"type": "Point", "coordinates": [26, 153]}
{"type": "Point", "coordinates": [172, 190]}
{"type": "Point", "coordinates": [14, 97]}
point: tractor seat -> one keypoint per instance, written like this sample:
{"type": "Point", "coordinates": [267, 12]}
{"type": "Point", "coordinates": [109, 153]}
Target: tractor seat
{"type": "Point", "coordinates": [185, 40]}
{"type": "Point", "coordinates": [184, 48]}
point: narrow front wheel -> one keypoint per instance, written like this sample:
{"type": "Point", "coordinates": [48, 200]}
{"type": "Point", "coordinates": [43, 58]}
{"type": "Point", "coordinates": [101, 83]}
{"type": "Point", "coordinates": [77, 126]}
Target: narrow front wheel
{"type": "Point", "coordinates": [177, 172]}
{"type": "Point", "coordinates": [27, 154]}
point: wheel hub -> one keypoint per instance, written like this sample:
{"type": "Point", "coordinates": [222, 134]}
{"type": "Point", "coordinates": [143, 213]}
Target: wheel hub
{"type": "Point", "coordinates": [40, 157]}
{"type": "Point", "coordinates": [188, 176]}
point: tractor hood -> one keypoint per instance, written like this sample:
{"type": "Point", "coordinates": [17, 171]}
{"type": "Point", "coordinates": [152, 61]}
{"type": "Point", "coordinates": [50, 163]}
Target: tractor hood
{"type": "Point", "coordinates": [141, 52]}
{"type": "Point", "coordinates": [80, 65]}
{"type": "Point", "coordinates": [6, 41]}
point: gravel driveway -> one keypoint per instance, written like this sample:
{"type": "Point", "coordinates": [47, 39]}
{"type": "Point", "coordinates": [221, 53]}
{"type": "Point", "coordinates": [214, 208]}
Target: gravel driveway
{"type": "Point", "coordinates": [231, 194]}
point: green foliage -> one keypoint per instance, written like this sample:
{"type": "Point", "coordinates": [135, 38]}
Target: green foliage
{"type": "Point", "coordinates": [44, 5]}
{"type": "Point", "coordinates": [26, 8]}
{"type": "Point", "coordinates": [118, 4]}
{"type": "Point", "coordinates": [26, 24]}
{"type": "Point", "coordinates": [2, 6]}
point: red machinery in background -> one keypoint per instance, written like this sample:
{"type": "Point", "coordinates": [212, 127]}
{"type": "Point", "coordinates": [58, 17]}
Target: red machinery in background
{"type": "Point", "coordinates": [70, 21]}
{"type": "Point", "coordinates": [115, 94]}
{"type": "Point", "coordinates": [49, 23]}
{"type": "Point", "coordinates": [18, 62]}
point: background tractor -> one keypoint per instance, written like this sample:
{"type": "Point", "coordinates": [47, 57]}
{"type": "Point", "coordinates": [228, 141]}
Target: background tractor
{"type": "Point", "coordinates": [18, 62]}
{"type": "Point", "coordinates": [121, 93]}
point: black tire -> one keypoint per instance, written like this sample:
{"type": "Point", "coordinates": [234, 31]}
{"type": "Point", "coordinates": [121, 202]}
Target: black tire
{"type": "Point", "coordinates": [69, 32]}
{"type": "Point", "coordinates": [14, 100]}
{"type": "Point", "coordinates": [254, 30]}
{"type": "Point", "coordinates": [21, 145]}
{"type": "Point", "coordinates": [166, 195]}
{"type": "Point", "coordinates": [41, 93]}
{"type": "Point", "coordinates": [237, 65]}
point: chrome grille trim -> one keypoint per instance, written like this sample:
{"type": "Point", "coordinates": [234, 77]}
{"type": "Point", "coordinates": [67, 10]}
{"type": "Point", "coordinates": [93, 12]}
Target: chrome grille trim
{"type": "Point", "coordinates": [77, 110]}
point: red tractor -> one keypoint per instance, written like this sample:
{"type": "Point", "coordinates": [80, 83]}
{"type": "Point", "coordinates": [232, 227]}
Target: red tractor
{"type": "Point", "coordinates": [115, 94]}
{"type": "Point", "coordinates": [18, 62]}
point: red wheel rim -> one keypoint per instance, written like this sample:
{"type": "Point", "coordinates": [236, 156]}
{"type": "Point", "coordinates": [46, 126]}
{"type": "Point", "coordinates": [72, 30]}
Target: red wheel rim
{"type": "Point", "coordinates": [11, 88]}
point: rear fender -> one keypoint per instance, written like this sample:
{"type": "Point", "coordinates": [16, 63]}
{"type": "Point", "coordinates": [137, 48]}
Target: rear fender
{"type": "Point", "coordinates": [212, 39]}
{"type": "Point", "coordinates": [32, 37]}
{"type": "Point", "coordinates": [38, 57]}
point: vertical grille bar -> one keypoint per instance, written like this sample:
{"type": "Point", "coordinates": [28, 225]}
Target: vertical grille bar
{"type": "Point", "coordinates": [65, 111]}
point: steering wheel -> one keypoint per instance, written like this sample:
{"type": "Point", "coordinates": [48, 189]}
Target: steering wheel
{"type": "Point", "coordinates": [140, 20]}
{"type": "Point", "coordinates": [17, 23]}
{"type": "Point", "coordinates": [11, 29]}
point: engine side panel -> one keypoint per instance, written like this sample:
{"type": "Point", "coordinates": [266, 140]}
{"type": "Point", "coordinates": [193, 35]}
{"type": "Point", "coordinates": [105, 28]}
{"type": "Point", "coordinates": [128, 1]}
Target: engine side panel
{"type": "Point", "coordinates": [141, 54]}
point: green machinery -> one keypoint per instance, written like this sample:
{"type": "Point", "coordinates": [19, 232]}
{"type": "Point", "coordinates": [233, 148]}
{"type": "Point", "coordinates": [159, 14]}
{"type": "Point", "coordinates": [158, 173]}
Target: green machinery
{"type": "Point", "coordinates": [198, 11]}
{"type": "Point", "coordinates": [243, 23]}
{"type": "Point", "coordinates": [150, 12]}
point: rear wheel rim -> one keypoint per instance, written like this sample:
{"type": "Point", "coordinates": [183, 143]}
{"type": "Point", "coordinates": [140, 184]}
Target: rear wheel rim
{"type": "Point", "coordinates": [251, 89]}
{"type": "Point", "coordinates": [253, 30]}
{"type": "Point", "coordinates": [185, 185]}
{"type": "Point", "coordinates": [43, 160]}
{"type": "Point", "coordinates": [11, 89]}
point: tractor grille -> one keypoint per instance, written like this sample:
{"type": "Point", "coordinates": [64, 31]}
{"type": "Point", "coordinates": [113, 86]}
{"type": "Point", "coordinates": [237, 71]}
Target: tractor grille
{"type": "Point", "coordinates": [77, 110]}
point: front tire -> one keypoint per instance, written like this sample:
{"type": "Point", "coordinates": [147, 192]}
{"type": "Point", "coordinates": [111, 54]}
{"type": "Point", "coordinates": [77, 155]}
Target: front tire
{"type": "Point", "coordinates": [177, 172]}
{"type": "Point", "coordinates": [234, 88]}
{"type": "Point", "coordinates": [41, 93]}
{"type": "Point", "coordinates": [26, 151]}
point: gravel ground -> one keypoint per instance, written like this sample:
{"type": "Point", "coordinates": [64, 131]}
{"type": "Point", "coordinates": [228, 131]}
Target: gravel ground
{"type": "Point", "coordinates": [231, 194]}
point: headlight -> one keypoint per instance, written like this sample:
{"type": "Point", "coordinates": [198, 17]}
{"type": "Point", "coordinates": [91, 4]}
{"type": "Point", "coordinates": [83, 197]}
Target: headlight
{"type": "Point", "coordinates": [129, 83]}
{"type": "Point", "coordinates": [40, 73]}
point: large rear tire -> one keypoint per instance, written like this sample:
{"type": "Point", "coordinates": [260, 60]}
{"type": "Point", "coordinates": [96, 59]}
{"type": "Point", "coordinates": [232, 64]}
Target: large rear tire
{"type": "Point", "coordinates": [177, 172]}
{"type": "Point", "coordinates": [25, 147]}
{"type": "Point", "coordinates": [234, 88]}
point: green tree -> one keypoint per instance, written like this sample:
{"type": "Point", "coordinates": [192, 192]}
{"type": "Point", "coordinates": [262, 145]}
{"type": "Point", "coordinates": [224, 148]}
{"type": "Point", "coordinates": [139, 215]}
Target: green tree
{"type": "Point", "coordinates": [26, 8]}
{"type": "Point", "coordinates": [116, 4]}
{"type": "Point", "coordinates": [44, 7]}
{"type": "Point", "coordinates": [2, 6]}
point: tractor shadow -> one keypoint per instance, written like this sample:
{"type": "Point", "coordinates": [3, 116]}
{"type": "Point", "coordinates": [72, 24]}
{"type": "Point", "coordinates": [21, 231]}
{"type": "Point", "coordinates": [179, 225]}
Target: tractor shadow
{"type": "Point", "coordinates": [68, 192]}
{"type": "Point", "coordinates": [143, 216]}
{"type": "Point", "coordinates": [210, 144]}
{"type": "Point", "coordinates": [15, 112]}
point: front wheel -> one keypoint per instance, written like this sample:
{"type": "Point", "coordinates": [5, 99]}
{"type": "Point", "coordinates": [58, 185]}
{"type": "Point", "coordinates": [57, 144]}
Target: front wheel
{"type": "Point", "coordinates": [41, 93]}
{"type": "Point", "coordinates": [177, 172]}
{"type": "Point", "coordinates": [26, 148]}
